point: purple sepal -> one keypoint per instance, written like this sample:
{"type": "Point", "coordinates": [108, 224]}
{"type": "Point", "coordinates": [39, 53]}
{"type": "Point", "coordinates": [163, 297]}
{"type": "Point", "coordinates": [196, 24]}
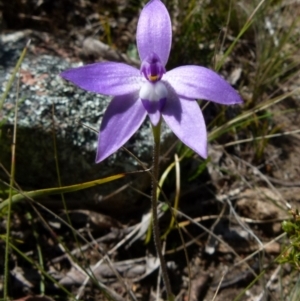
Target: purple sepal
{"type": "Point", "coordinates": [185, 119]}
{"type": "Point", "coordinates": [196, 82]}
{"type": "Point", "coordinates": [121, 120]}
{"type": "Point", "coordinates": [107, 78]}
{"type": "Point", "coordinates": [154, 31]}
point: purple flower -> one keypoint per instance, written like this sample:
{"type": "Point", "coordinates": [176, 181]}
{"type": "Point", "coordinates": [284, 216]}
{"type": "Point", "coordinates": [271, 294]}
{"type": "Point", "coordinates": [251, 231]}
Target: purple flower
{"type": "Point", "coordinates": [151, 90]}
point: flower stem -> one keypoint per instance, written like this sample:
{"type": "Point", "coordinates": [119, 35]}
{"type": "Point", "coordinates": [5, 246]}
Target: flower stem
{"type": "Point", "coordinates": [156, 231]}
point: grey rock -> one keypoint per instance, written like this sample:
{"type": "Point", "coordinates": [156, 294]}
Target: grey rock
{"type": "Point", "coordinates": [76, 112]}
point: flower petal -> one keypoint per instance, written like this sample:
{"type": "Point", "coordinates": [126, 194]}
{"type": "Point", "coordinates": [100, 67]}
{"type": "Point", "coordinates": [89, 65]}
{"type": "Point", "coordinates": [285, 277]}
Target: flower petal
{"type": "Point", "coordinates": [153, 97]}
{"type": "Point", "coordinates": [153, 109]}
{"type": "Point", "coordinates": [107, 78]}
{"type": "Point", "coordinates": [154, 31]}
{"type": "Point", "coordinates": [195, 82]}
{"type": "Point", "coordinates": [185, 119]}
{"type": "Point", "coordinates": [121, 120]}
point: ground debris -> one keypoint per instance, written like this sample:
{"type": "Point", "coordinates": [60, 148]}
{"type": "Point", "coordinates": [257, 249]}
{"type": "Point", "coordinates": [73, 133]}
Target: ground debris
{"type": "Point", "coordinates": [135, 270]}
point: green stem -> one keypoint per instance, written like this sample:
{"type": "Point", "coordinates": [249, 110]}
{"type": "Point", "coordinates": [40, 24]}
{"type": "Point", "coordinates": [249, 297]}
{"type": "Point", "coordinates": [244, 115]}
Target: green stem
{"type": "Point", "coordinates": [11, 184]}
{"type": "Point", "coordinates": [12, 78]}
{"type": "Point", "coordinates": [57, 190]}
{"type": "Point", "coordinates": [156, 231]}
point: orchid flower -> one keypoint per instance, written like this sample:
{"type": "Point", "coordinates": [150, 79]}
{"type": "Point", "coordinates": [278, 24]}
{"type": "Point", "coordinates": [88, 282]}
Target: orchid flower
{"type": "Point", "coordinates": [151, 90]}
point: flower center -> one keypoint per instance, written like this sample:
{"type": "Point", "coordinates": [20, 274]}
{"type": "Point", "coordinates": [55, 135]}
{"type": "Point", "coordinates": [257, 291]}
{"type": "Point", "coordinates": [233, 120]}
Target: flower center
{"type": "Point", "coordinates": [153, 92]}
{"type": "Point", "coordinates": [152, 68]}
